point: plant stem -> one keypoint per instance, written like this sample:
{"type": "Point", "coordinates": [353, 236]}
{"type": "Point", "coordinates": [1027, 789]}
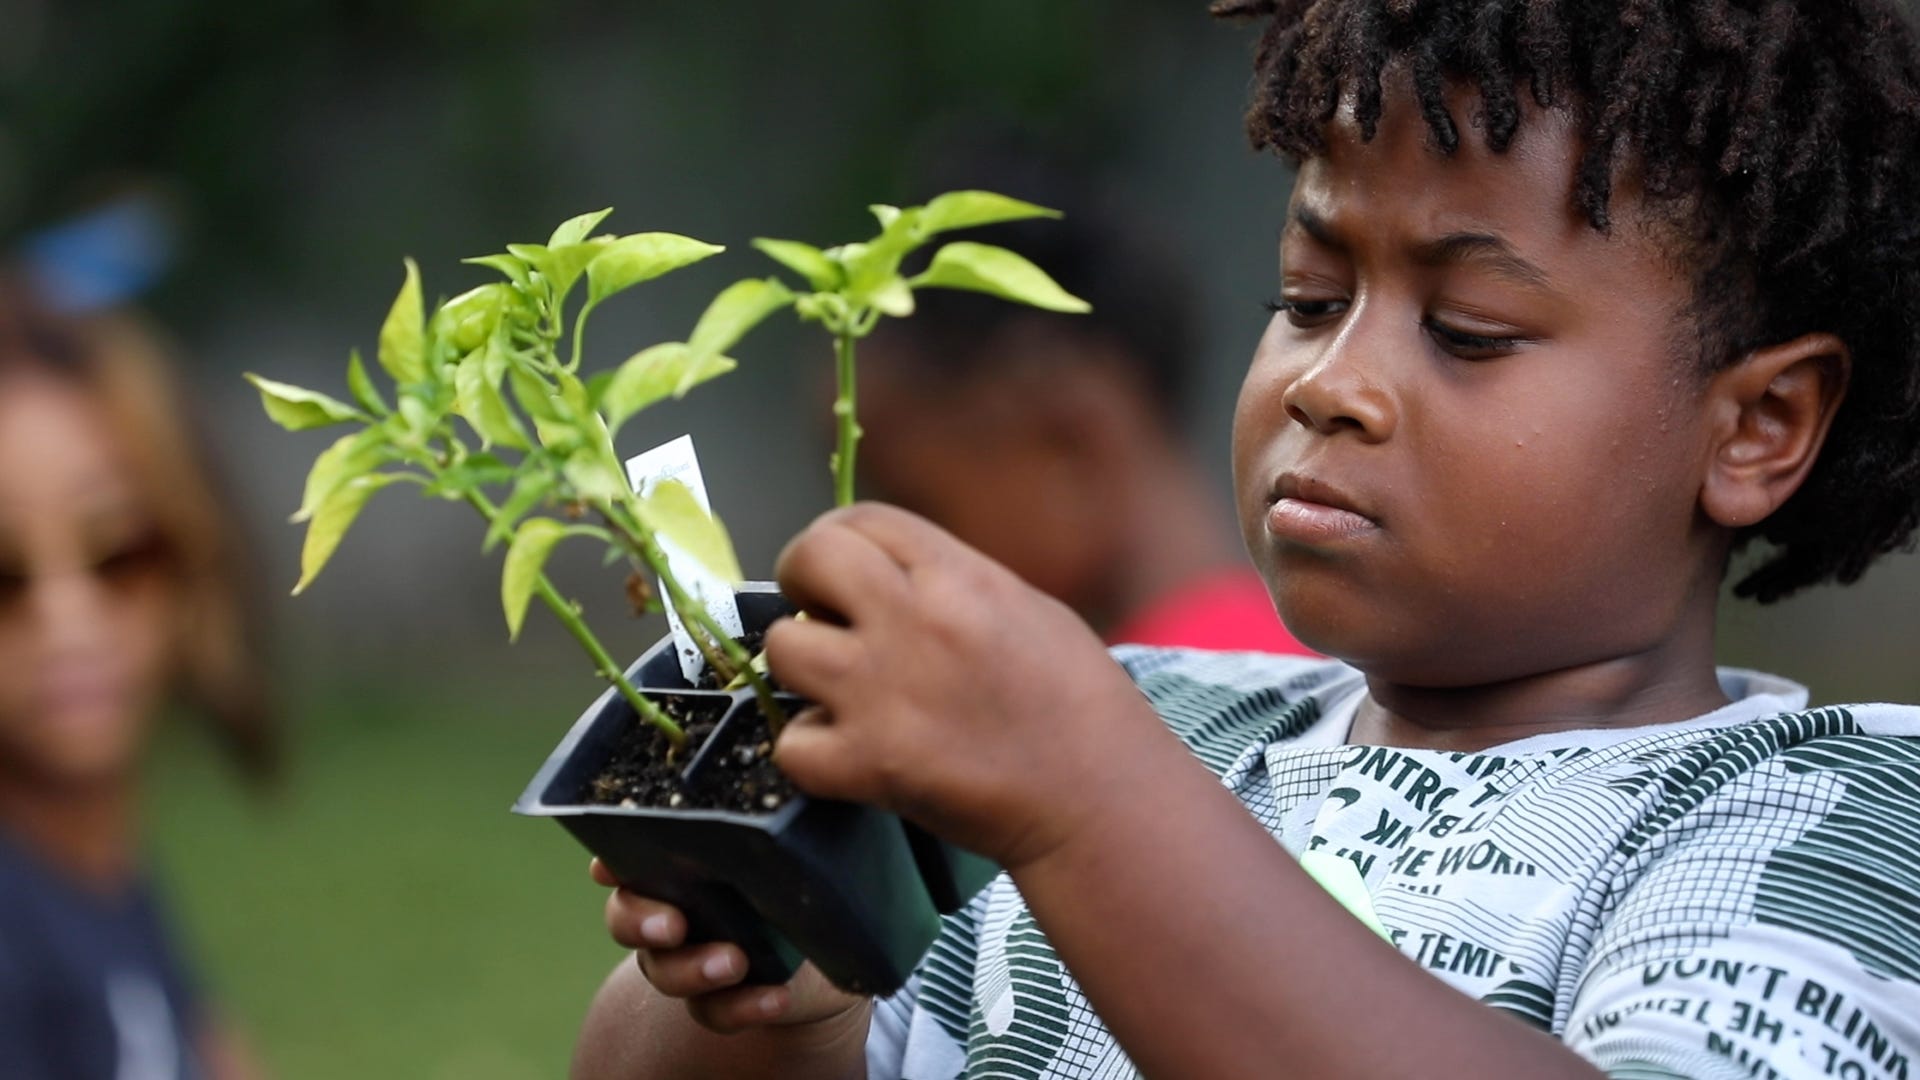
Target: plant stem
{"type": "Point", "coordinates": [694, 614]}
{"type": "Point", "coordinates": [723, 669]}
{"type": "Point", "coordinates": [579, 335]}
{"type": "Point", "coordinates": [569, 616]}
{"type": "Point", "coordinates": [700, 625]}
{"type": "Point", "coordinates": [849, 424]}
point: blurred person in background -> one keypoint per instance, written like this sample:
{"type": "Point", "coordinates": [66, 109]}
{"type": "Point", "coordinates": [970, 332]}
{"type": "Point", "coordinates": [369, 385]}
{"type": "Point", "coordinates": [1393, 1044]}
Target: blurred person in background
{"type": "Point", "coordinates": [120, 591]}
{"type": "Point", "coordinates": [1053, 443]}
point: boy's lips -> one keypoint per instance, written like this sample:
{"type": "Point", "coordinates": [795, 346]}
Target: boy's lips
{"type": "Point", "coordinates": [1310, 511]}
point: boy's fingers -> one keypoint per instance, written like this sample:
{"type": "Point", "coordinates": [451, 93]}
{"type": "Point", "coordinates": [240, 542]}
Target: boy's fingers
{"type": "Point", "coordinates": [695, 970]}
{"type": "Point", "coordinates": [812, 658]}
{"type": "Point", "coordinates": [729, 1011]}
{"type": "Point", "coordinates": [601, 875]}
{"type": "Point", "coordinates": [834, 570]}
{"type": "Point", "coordinates": [639, 923]}
{"type": "Point", "coordinates": [815, 756]}
{"type": "Point", "coordinates": [908, 539]}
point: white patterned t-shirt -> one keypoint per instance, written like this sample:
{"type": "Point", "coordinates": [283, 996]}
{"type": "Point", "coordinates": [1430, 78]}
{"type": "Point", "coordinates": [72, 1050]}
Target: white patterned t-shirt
{"type": "Point", "coordinates": [1737, 895]}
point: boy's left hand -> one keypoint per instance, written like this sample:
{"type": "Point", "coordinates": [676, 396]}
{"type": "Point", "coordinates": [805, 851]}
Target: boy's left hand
{"type": "Point", "coordinates": [950, 691]}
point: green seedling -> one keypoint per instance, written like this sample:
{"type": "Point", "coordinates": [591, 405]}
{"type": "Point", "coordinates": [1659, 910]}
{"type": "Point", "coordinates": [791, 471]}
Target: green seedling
{"type": "Point", "coordinates": [533, 447]}
{"type": "Point", "coordinates": [533, 450]}
{"type": "Point", "coordinates": [850, 288]}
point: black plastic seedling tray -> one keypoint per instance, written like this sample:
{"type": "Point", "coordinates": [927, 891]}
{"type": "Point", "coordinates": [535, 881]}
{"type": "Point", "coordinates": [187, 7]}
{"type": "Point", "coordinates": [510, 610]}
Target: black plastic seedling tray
{"type": "Point", "coordinates": [857, 891]}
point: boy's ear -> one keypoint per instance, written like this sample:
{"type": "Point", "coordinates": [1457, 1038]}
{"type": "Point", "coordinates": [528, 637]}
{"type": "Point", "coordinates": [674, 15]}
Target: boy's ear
{"type": "Point", "coordinates": [1772, 410]}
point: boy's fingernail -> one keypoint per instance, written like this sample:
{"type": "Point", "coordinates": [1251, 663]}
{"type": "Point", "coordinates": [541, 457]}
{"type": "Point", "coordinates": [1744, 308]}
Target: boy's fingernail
{"type": "Point", "coordinates": [718, 966]}
{"type": "Point", "coordinates": [656, 928]}
{"type": "Point", "coordinates": [771, 1003]}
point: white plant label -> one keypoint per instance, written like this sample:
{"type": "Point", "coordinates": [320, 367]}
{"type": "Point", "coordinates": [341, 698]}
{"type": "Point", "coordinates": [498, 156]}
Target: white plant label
{"type": "Point", "coordinates": [677, 461]}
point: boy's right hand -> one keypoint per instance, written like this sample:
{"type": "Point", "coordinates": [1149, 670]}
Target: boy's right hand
{"type": "Point", "coordinates": [707, 976]}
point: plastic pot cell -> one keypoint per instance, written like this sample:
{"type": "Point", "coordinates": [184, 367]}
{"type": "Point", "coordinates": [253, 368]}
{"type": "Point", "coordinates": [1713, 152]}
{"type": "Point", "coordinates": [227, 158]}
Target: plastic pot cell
{"type": "Point", "coordinates": [857, 891]}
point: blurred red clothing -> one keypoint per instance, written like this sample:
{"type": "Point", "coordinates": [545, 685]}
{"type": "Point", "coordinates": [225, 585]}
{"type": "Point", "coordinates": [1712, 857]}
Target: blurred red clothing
{"type": "Point", "coordinates": [1229, 611]}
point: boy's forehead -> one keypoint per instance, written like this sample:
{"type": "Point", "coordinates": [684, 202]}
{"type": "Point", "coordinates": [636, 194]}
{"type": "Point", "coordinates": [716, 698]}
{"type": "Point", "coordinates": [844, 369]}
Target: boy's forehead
{"type": "Point", "coordinates": [1402, 181]}
{"type": "Point", "coordinates": [1512, 211]}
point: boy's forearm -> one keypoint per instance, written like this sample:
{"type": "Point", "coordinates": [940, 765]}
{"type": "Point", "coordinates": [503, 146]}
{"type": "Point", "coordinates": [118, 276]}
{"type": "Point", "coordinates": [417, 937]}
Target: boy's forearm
{"type": "Point", "coordinates": [1213, 954]}
{"type": "Point", "coordinates": [635, 1033]}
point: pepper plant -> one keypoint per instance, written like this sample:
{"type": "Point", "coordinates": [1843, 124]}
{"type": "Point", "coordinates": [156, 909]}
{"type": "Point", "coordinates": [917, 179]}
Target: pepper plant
{"type": "Point", "coordinates": [534, 454]}
{"type": "Point", "coordinates": [488, 405]}
{"type": "Point", "coordinates": [851, 287]}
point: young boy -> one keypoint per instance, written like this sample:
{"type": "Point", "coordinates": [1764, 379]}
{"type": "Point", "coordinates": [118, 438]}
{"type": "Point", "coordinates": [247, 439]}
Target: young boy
{"type": "Point", "coordinates": [1577, 300]}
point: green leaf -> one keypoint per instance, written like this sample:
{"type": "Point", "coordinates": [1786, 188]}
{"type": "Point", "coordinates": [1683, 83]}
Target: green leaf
{"type": "Point", "coordinates": [971, 209]}
{"type": "Point", "coordinates": [871, 265]}
{"type": "Point", "coordinates": [469, 320]}
{"type": "Point", "coordinates": [559, 436]}
{"type": "Point", "coordinates": [515, 269]}
{"type": "Point", "coordinates": [667, 370]}
{"type": "Point", "coordinates": [331, 522]}
{"type": "Point", "coordinates": [533, 393]}
{"type": "Point", "coordinates": [597, 385]}
{"type": "Point", "coordinates": [561, 266]}
{"type": "Point", "coordinates": [477, 471]}
{"type": "Point", "coordinates": [575, 229]}
{"type": "Point", "coordinates": [532, 544]}
{"type": "Point", "coordinates": [351, 456]}
{"type": "Point", "coordinates": [630, 260]}
{"type": "Point", "coordinates": [814, 307]}
{"type": "Point", "coordinates": [672, 511]}
{"type": "Point", "coordinates": [702, 367]}
{"type": "Point", "coordinates": [478, 399]}
{"type": "Point", "coordinates": [560, 422]}
{"type": "Point", "coordinates": [360, 384]}
{"type": "Point", "coordinates": [884, 214]}
{"type": "Point", "coordinates": [739, 308]}
{"type": "Point", "coordinates": [592, 476]}
{"type": "Point", "coordinates": [528, 492]}
{"type": "Point", "coordinates": [574, 395]}
{"type": "Point", "coordinates": [298, 409]}
{"type": "Point", "coordinates": [999, 272]}
{"type": "Point", "coordinates": [418, 418]}
{"type": "Point", "coordinates": [894, 298]}
{"type": "Point", "coordinates": [806, 260]}
{"type": "Point", "coordinates": [403, 338]}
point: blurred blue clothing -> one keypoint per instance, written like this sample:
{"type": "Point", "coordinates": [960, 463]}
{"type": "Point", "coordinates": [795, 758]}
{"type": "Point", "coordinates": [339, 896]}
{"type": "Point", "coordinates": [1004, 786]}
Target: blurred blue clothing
{"type": "Point", "coordinates": [90, 986]}
{"type": "Point", "coordinates": [102, 258]}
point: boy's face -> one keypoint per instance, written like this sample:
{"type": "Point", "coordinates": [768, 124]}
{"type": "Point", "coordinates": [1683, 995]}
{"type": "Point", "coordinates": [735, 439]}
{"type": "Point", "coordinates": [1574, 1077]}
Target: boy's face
{"type": "Point", "coordinates": [1473, 449]}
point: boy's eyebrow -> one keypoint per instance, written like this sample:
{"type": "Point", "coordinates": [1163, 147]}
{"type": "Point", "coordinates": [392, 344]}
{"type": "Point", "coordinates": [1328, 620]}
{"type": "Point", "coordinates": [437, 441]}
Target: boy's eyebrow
{"type": "Point", "coordinates": [1316, 226]}
{"type": "Point", "coordinates": [1485, 248]}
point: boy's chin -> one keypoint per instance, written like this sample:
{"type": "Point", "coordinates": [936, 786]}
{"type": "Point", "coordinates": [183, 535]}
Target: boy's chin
{"type": "Point", "coordinates": [1393, 647]}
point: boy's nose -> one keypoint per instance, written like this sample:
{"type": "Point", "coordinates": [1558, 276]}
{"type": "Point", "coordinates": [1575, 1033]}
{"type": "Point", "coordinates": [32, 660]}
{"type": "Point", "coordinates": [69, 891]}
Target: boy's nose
{"type": "Point", "coordinates": [1342, 388]}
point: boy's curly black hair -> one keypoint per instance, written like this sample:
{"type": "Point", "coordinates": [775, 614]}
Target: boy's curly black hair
{"type": "Point", "coordinates": [1787, 131]}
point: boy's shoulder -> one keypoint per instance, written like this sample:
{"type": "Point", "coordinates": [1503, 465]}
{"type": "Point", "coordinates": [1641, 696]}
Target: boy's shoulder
{"type": "Point", "coordinates": [1223, 704]}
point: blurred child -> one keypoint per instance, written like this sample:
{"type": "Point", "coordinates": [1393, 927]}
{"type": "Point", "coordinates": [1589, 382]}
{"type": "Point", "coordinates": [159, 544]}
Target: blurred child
{"type": "Point", "coordinates": [1052, 443]}
{"type": "Point", "coordinates": [119, 586]}
{"type": "Point", "coordinates": [1578, 300]}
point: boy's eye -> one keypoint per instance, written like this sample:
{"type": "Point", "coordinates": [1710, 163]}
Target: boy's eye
{"type": "Point", "coordinates": [1471, 346]}
{"type": "Point", "coordinates": [1306, 312]}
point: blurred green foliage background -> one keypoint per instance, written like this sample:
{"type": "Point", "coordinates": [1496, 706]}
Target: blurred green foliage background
{"type": "Point", "coordinates": [383, 916]}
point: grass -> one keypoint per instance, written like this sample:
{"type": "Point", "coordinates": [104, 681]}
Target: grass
{"type": "Point", "coordinates": [384, 915]}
